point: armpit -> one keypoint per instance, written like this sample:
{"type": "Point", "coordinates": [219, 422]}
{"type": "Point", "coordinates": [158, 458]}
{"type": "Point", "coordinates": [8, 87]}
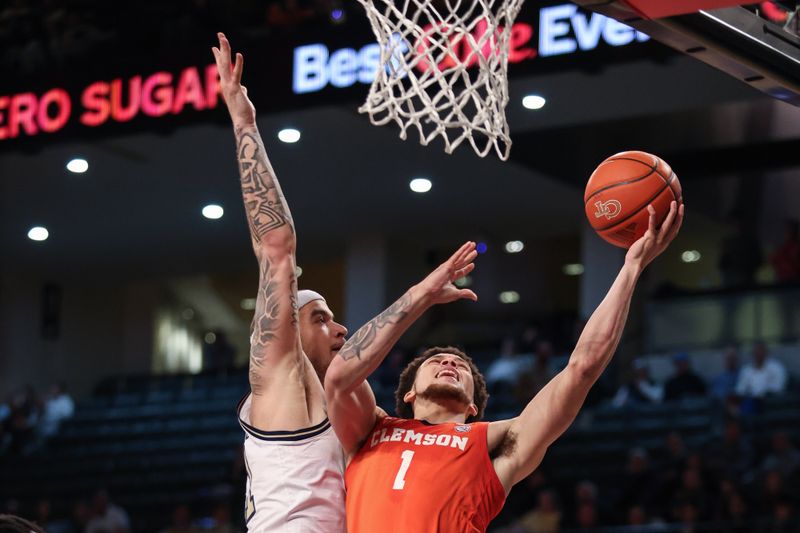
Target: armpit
{"type": "Point", "coordinates": [506, 446]}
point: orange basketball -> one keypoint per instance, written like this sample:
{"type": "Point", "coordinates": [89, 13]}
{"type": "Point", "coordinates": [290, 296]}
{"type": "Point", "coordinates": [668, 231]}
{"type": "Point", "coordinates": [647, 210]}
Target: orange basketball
{"type": "Point", "coordinates": [619, 191]}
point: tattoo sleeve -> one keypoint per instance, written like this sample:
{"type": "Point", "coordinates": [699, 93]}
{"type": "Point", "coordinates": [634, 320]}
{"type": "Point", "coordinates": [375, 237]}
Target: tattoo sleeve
{"type": "Point", "coordinates": [264, 203]}
{"type": "Point", "coordinates": [274, 327]}
{"type": "Point", "coordinates": [365, 337]}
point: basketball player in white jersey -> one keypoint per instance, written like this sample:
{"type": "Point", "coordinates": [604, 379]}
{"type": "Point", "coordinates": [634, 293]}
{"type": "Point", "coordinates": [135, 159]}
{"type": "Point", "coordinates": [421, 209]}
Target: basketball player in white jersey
{"type": "Point", "coordinates": [294, 462]}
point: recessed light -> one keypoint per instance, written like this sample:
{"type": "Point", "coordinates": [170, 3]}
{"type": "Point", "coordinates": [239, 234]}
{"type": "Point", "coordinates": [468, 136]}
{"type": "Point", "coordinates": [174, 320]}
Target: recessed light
{"type": "Point", "coordinates": [690, 256]}
{"type": "Point", "coordinates": [38, 233]}
{"type": "Point", "coordinates": [466, 281]}
{"type": "Point", "coordinates": [420, 185]}
{"type": "Point", "coordinates": [573, 269]}
{"type": "Point", "coordinates": [248, 304]}
{"type": "Point", "coordinates": [481, 248]}
{"type": "Point", "coordinates": [509, 297]}
{"type": "Point", "coordinates": [533, 101]}
{"type": "Point", "coordinates": [298, 271]}
{"type": "Point", "coordinates": [210, 337]}
{"type": "Point", "coordinates": [78, 165]}
{"type": "Point", "coordinates": [514, 247]}
{"type": "Point", "coordinates": [213, 211]}
{"type": "Point", "coordinates": [289, 135]}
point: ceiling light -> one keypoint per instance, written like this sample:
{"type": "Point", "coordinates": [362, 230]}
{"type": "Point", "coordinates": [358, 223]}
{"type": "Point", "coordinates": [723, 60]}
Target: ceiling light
{"type": "Point", "coordinates": [466, 281]}
{"type": "Point", "coordinates": [248, 304]}
{"type": "Point", "coordinates": [509, 297]}
{"type": "Point", "coordinates": [289, 135]}
{"type": "Point", "coordinates": [298, 271]}
{"type": "Point", "coordinates": [690, 256]}
{"type": "Point", "coordinates": [38, 233]}
{"type": "Point", "coordinates": [420, 185]}
{"type": "Point", "coordinates": [481, 247]}
{"type": "Point", "coordinates": [213, 211]}
{"type": "Point", "coordinates": [78, 166]}
{"type": "Point", "coordinates": [573, 269]}
{"type": "Point", "coordinates": [533, 101]}
{"type": "Point", "coordinates": [210, 337]}
{"type": "Point", "coordinates": [514, 247]}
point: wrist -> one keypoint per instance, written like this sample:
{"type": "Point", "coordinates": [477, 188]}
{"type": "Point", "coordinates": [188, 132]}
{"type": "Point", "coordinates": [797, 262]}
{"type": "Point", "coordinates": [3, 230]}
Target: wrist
{"type": "Point", "coordinates": [244, 126]}
{"type": "Point", "coordinates": [634, 268]}
{"type": "Point", "coordinates": [420, 297]}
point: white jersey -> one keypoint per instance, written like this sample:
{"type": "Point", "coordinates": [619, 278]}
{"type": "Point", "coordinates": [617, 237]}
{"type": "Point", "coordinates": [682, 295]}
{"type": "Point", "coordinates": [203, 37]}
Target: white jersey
{"type": "Point", "coordinates": [295, 479]}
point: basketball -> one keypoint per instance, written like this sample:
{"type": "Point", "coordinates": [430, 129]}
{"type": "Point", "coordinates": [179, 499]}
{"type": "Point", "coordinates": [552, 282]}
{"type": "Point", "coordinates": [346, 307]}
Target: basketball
{"type": "Point", "coordinates": [621, 188]}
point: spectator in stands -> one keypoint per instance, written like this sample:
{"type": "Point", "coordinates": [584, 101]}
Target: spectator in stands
{"type": "Point", "coordinates": [107, 517]}
{"type": "Point", "coordinates": [783, 519]}
{"type": "Point", "coordinates": [641, 389]}
{"type": "Point", "coordinates": [638, 486]}
{"type": "Point", "coordinates": [786, 258]}
{"type": "Point", "coordinates": [528, 340]}
{"type": "Point", "coordinates": [784, 457]}
{"type": "Point", "coordinates": [765, 375]}
{"type": "Point", "coordinates": [532, 381]}
{"type": "Point", "coordinates": [15, 524]}
{"type": "Point", "coordinates": [685, 383]}
{"type": "Point", "coordinates": [222, 520]}
{"type": "Point", "coordinates": [586, 507]}
{"type": "Point", "coordinates": [691, 492]}
{"type": "Point", "coordinates": [504, 371]}
{"type": "Point", "coordinates": [57, 408]}
{"type": "Point", "coordinates": [724, 384]}
{"type": "Point", "coordinates": [637, 516]}
{"type": "Point", "coordinates": [671, 466]}
{"type": "Point", "coordinates": [545, 517]}
{"type": "Point", "coordinates": [181, 521]}
{"type": "Point", "coordinates": [732, 455]}
{"type": "Point", "coordinates": [773, 492]}
{"type": "Point", "coordinates": [736, 518]}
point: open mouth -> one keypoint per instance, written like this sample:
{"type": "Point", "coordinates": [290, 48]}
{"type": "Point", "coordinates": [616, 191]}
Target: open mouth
{"type": "Point", "coordinates": [448, 373]}
{"type": "Point", "coordinates": [337, 347]}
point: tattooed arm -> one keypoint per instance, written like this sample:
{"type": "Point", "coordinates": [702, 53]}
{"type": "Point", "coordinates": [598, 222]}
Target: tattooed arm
{"type": "Point", "coordinates": [351, 407]}
{"type": "Point", "coordinates": [275, 352]}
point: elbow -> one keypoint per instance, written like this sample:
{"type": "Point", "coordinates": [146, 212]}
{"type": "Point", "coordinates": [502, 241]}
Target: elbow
{"type": "Point", "coordinates": [278, 242]}
{"type": "Point", "coordinates": [587, 366]}
{"type": "Point", "coordinates": [334, 380]}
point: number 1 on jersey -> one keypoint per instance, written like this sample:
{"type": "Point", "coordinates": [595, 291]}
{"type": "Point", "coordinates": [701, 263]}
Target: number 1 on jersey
{"type": "Point", "coordinates": [400, 478]}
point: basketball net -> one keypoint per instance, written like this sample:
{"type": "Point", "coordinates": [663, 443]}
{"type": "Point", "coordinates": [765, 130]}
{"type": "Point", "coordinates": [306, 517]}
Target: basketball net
{"type": "Point", "coordinates": [443, 70]}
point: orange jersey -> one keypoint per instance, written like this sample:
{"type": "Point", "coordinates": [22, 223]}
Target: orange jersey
{"type": "Point", "coordinates": [415, 477]}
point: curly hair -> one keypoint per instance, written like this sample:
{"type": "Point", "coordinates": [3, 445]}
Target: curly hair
{"type": "Point", "coordinates": [409, 375]}
{"type": "Point", "coordinates": [14, 524]}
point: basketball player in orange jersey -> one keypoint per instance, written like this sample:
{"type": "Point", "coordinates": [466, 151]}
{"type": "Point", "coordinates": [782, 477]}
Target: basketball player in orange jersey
{"type": "Point", "coordinates": [294, 462]}
{"type": "Point", "coordinates": [440, 470]}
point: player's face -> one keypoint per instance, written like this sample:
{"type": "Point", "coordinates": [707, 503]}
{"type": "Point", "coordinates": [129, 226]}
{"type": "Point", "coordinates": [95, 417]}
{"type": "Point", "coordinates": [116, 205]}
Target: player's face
{"type": "Point", "coordinates": [321, 336]}
{"type": "Point", "coordinates": [449, 374]}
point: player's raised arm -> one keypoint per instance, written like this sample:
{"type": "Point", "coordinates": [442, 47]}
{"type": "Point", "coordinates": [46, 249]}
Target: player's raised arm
{"type": "Point", "coordinates": [351, 411]}
{"type": "Point", "coordinates": [275, 339]}
{"type": "Point", "coordinates": [524, 440]}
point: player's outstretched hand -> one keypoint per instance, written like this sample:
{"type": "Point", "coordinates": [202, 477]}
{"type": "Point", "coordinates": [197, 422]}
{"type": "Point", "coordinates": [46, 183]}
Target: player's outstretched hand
{"type": "Point", "coordinates": [241, 109]}
{"type": "Point", "coordinates": [655, 240]}
{"type": "Point", "coordinates": [439, 287]}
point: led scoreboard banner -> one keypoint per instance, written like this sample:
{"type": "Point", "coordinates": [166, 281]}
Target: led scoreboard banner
{"type": "Point", "coordinates": [307, 70]}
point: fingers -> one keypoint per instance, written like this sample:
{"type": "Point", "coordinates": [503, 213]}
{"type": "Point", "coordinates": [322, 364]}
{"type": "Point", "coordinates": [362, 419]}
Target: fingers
{"type": "Point", "coordinates": [460, 273]}
{"type": "Point", "coordinates": [466, 294]}
{"type": "Point", "coordinates": [677, 226]}
{"type": "Point", "coordinates": [651, 221]}
{"type": "Point", "coordinates": [666, 226]}
{"type": "Point", "coordinates": [237, 68]}
{"type": "Point", "coordinates": [461, 256]}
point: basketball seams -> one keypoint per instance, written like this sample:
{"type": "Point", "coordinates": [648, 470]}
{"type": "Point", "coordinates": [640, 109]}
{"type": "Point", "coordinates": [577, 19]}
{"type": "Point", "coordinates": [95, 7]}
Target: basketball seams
{"type": "Point", "coordinates": [627, 182]}
{"type": "Point", "coordinates": [638, 208]}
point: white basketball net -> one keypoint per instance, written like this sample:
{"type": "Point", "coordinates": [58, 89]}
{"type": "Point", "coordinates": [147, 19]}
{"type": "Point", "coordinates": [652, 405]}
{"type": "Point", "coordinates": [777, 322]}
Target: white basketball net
{"type": "Point", "coordinates": [444, 70]}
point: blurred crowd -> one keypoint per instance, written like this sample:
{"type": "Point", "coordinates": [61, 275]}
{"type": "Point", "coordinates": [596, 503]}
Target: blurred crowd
{"type": "Point", "coordinates": [27, 420]}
